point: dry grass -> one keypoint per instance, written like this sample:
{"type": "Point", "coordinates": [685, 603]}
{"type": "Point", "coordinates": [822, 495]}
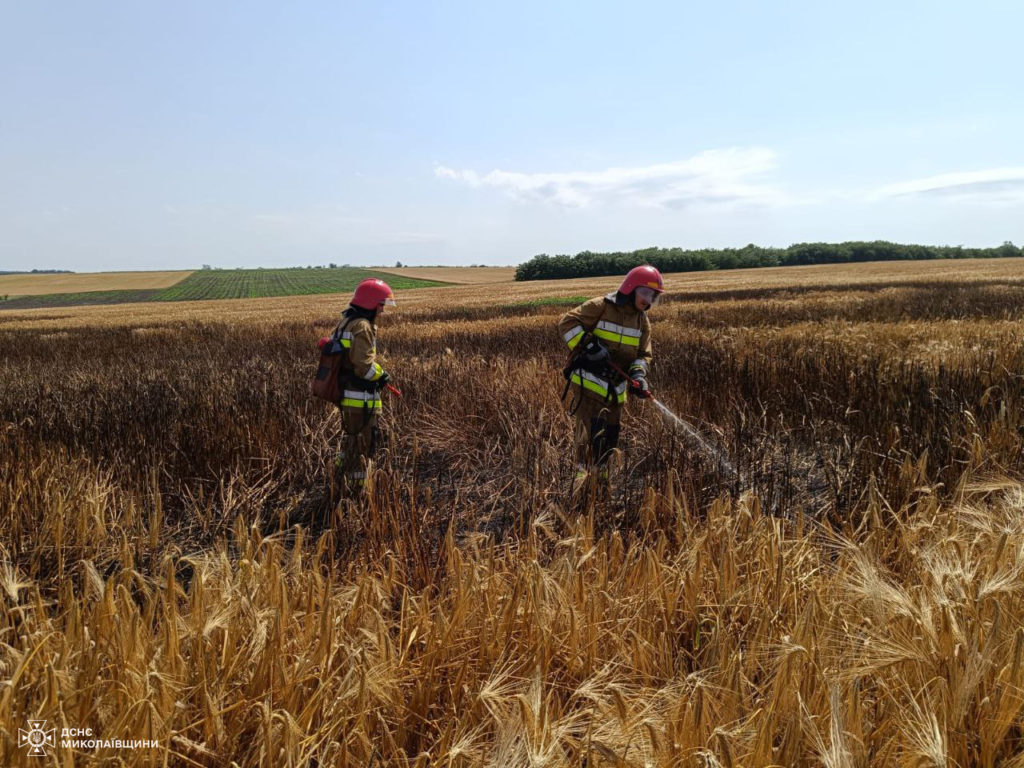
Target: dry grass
{"type": "Point", "coordinates": [456, 275]}
{"type": "Point", "coordinates": [37, 285]}
{"type": "Point", "coordinates": [172, 567]}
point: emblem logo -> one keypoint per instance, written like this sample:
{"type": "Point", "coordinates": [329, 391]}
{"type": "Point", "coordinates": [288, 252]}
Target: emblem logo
{"type": "Point", "coordinates": [36, 738]}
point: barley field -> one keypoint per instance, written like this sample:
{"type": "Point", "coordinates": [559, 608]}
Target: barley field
{"type": "Point", "coordinates": [175, 567]}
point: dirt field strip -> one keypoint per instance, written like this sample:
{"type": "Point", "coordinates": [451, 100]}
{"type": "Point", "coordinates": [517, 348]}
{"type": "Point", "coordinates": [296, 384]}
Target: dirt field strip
{"type": "Point", "coordinates": [79, 282]}
{"type": "Point", "coordinates": [457, 275]}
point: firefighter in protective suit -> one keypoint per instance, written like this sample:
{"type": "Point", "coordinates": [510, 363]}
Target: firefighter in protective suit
{"type": "Point", "coordinates": [361, 378]}
{"type": "Point", "coordinates": [612, 329]}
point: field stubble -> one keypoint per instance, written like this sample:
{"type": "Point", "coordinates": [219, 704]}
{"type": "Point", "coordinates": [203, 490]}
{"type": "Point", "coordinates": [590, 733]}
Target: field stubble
{"type": "Point", "coordinates": [172, 566]}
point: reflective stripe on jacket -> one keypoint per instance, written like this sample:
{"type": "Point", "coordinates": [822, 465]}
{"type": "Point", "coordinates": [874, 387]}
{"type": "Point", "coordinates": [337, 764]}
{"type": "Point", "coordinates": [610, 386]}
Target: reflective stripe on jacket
{"type": "Point", "coordinates": [600, 387]}
{"type": "Point", "coordinates": [357, 398]}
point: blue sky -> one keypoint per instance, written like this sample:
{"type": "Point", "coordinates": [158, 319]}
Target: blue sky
{"type": "Point", "coordinates": [170, 135]}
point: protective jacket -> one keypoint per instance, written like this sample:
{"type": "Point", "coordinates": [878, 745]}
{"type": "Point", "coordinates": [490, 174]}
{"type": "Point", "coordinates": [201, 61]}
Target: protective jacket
{"type": "Point", "coordinates": [357, 336]}
{"type": "Point", "coordinates": [623, 329]}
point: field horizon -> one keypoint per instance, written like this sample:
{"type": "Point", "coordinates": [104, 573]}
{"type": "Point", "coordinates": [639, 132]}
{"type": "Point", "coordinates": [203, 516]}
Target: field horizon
{"type": "Point", "coordinates": [681, 286]}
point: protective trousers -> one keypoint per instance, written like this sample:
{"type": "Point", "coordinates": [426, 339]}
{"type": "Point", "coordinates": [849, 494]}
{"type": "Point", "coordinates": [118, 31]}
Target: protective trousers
{"type": "Point", "coordinates": [358, 444]}
{"type": "Point", "coordinates": [597, 430]}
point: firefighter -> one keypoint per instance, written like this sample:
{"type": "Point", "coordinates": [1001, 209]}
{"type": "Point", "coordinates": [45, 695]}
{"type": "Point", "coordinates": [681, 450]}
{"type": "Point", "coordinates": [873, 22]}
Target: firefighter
{"type": "Point", "coordinates": [602, 334]}
{"type": "Point", "coordinates": [361, 379]}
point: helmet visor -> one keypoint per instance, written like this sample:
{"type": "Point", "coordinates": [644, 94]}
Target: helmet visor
{"type": "Point", "coordinates": [389, 302]}
{"type": "Point", "coordinates": [648, 294]}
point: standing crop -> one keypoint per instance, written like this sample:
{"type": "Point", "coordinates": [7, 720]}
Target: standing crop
{"type": "Point", "coordinates": [172, 566]}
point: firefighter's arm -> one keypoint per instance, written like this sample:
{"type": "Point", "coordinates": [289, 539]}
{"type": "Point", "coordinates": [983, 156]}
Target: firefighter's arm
{"type": "Point", "coordinates": [642, 363]}
{"type": "Point", "coordinates": [363, 354]}
{"type": "Point", "coordinates": [638, 386]}
{"type": "Point", "coordinates": [580, 320]}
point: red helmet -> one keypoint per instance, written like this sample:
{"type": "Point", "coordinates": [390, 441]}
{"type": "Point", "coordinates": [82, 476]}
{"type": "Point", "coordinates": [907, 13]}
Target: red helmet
{"type": "Point", "coordinates": [646, 276]}
{"type": "Point", "coordinates": [372, 293]}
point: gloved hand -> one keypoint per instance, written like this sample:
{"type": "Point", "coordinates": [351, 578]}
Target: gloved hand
{"type": "Point", "coordinates": [595, 352]}
{"type": "Point", "coordinates": [385, 377]}
{"type": "Point", "coordinates": [638, 386]}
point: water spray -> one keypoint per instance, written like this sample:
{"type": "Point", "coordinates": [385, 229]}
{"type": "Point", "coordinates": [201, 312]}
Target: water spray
{"type": "Point", "coordinates": [696, 438]}
{"type": "Point", "coordinates": [692, 433]}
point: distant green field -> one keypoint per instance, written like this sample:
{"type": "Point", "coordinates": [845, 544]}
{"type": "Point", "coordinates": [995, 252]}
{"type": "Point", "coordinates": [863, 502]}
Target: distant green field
{"type": "Point", "coordinates": [258, 283]}
{"type": "Point", "coordinates": [227, 284]}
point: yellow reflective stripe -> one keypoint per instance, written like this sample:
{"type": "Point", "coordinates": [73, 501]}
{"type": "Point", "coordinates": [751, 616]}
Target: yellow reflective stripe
{"type": "Point", "coordinates": [620, 392]}
{"type": "Point", "coordinates": [623, 330]}
{"type": "Point", "coordinates": [600, 386]}
{"type": "Point", "coordinates": [587, 384]}
{"type": "Point", "coordinates": [373, 373]}
{"type": "Point", "coordinates": [348, 402]}
{"type": "Point", "coordinates": [355, 399]}
{"type": "Point", "coordinates": [629, 341]}
{"type": "Point", "coordinates": [572, 336]}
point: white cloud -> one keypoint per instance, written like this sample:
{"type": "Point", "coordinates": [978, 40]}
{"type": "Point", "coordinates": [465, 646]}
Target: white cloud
{"type": "Point", "coordinates": [715, 177]}
{"type": "Point", "coordinates": [999, 185]}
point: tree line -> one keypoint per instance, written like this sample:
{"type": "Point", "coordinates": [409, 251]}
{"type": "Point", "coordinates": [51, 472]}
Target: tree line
{"type": "Point", "coordinates": [37, 272]}
{"type": "Point", "coordinates": [592, 264]}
